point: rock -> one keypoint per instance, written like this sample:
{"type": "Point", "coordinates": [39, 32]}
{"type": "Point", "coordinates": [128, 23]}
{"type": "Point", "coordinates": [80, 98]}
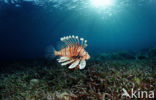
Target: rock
{"type": "Point", "coordinates": [115, 56]}
{"type": "Point", "coordinates": [34, 82]}
{"type": "Point", "coordinates": [141, 55]}
{"type": "Point", "coordinates": [126, 55]}
{"type": "Point", "coordinates": [152, 53]}
{"type": "Point", "coordinates": [66, 96]}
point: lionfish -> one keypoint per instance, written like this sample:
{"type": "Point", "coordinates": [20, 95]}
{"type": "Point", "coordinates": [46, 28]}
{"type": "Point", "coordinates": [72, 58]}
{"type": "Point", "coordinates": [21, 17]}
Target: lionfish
{"type": "Point", "coordinates": [73, 52]}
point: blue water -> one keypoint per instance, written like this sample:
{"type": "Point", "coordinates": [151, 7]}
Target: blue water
{"type": "Point", "coordinates": [28, 27]}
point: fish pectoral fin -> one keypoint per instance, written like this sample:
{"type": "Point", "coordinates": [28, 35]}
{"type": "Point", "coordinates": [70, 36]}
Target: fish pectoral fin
{"type": "Point", "coordinates": [68, 62]}
{"type": "Point", "coordinates": [73, 65]}
{"type": "Point", "coordinates": [63, 59]}
{"type": "Point", "coordinates": [82, 64]}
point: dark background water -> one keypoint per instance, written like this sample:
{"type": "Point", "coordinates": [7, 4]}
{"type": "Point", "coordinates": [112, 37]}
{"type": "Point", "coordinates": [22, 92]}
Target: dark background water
{"type": "Point", "coordinates": [26, 31]}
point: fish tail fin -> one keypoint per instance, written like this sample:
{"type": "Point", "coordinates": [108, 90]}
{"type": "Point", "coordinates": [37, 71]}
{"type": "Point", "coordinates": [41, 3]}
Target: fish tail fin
{"type": "Point", "coordinates": [50, 52]}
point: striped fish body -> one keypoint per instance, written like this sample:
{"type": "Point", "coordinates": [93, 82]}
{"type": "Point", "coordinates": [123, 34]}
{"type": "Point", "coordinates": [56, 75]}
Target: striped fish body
{"type": "Point", "coordinates": [71, 51]}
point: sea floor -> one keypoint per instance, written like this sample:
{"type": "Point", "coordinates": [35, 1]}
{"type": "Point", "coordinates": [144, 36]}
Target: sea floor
{"type": "Point", "coordinates": [47, 80]}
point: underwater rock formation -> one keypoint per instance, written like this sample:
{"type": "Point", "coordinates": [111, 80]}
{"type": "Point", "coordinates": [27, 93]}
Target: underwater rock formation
{"type": "Point", "coordinates": [142, 54]}
{"type": "Point", "coordinates": [147, 53]}
{"type": "Point", "coordinates": [152, 53]}
{"type": "Point", "coordinates": [115, 56]}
